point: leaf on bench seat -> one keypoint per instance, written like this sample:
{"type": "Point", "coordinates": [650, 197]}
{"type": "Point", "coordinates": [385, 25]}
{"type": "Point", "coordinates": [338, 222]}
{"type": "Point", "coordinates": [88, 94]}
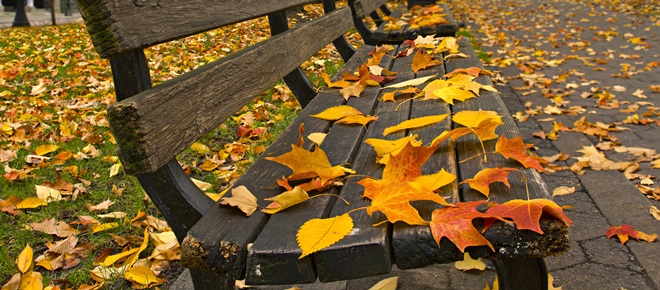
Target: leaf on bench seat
{"type": "Point", "coordinates": [415, 123]}
{"type": "Point", "coordinates": [455, 223]}
{"type": "Point", "coordinates": [285, 200]}
{"type": "Point", "coordinates": [242, 198]}
{"type": "Point", "coordinates": [306, 164]}
{"type": "Point", "coordinates": [423, 60]}
{"type": "Point", "coordinates": [514, 148]}
{"type": "Point", "coordinates": [527, 213]}
{"type": "Point", "coordinates": [317, 234]}
{"type": "Point", "coordinates": [482, 180]}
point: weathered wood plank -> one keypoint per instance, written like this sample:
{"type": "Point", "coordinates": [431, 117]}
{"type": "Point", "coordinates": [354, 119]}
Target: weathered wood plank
{"type": "Point", "coordinates": [153, 126]}
{"type": "Point", "coordinates": [368, 6]}
{"type": "Point", "coordinates": [273, 258]}
{"type": "Point", "coordinates": [366, 251]}
{"type": "Point", "coordinates": [508, 241]}
{"type": "Point", "coordinates": [407, 33]}
{"type": "Point", "coordinates": [119, 26]}
{"type": "Point", "coordinates": [414, 246]}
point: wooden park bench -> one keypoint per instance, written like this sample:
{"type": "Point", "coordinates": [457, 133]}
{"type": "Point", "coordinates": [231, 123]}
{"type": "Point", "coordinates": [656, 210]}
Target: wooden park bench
{"type": "Point", "coordinates": [219, 243]}
{"type": "Point", "coordinates": [419, 18]}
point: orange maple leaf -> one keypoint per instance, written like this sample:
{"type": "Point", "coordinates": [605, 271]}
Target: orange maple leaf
{"type": "Point", "coordinates": [423, 60]}
{"type": "Point", "coordinates": [482, 180]}
{"type": "Point", "coordinates": [306, 164]}
{"type": "Point", "coordinates": [527, 213]}
{"type": "Point", "coordinates": [402, 183]}
{"type": "Point", "coordinates": [473, 71]}
{"type": "Point", "coordinates": [624, 231]}
{"type": "Point", "coordinates": [455, 223]}
{"type": "Point", "coordinates": [514, 148]}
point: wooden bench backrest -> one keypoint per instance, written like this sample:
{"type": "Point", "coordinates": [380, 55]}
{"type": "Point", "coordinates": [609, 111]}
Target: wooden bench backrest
{"type": "Point", "coordinates": [153, 125]}
{"type": "Point", "coordinates": [366, 7]}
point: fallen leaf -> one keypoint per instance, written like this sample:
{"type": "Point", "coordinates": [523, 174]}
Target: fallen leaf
{"type": "Point", "coordinates": [422, 60]}
{"type": "Point", "coordinates": [413, 82]}
{"type": "Point", "coordinates": [386, 284]}
{"type": "Point", "coordinates": [623, 232]}
{"type": "Point", "coordinates": [101, 206]}
{"type": "Point", "coordinates": [514, 148]}
{"type": "Point", "coordinates": [482, 180]}
{"type": "Point", "coordinates": [483, 123]}
{"type": "Point", "coordinates": [31, 281]}
{"type": "Point", "coordinates": [24, 260]}
{"type": "Point", "coordinates": [48, 226]}
{"type": "Point", "coordinates": [415, 123]}
{"type": "Point", "coordinates": [143, 277]}
{"type": "Point", "coordinates": [527, 213]}
{"type": "Point", "coordinates": [469, 264]}
{"type": "Point", "coordinates": [204, 186]}
{"type": "Point", "coordinates": [317, 138]}
{"type": "Point", "coordinates": [48, 194]}
{"type": "Point", "coordinates": [306, 164]}
{"type": "Point", "coordinates": [285, 200]}
{"type": "Point", "coordinates": [357, 119]}
{"type": "Point", "coordinates": [563, 190]}
{"type": "Point", "coordinates": [337, 112]}
{"type": "Point", "coordinates": [655, 212]}
{"type": "Point", "coordinates": [114, 169]}
{"type": "Point", "coordinates": [31, 202]}
{"type": "Point", "coordinates": [455, 223]}
{"type": "Point", "coordinates": [200, 148]}
{"type": "Point", "coordinates": [242, 198]}
{"type": "Point", "coordinates": [317, 234]}
{"type": "Point", "coordinates": [45, 149]}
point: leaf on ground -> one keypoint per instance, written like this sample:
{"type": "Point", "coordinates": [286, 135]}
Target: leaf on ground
{"type": "Point", "coordinates": [337, 112]}
{"type": "Point", "coordinates": [24, 260]}
{"type": "Point", "coordinates": [45, 149]}
{"type": "Point", "coordinates": [200, 148]}
{"type": "Point", "coordinates": [415, 123]}
{"type": "Point", "coordinates": [317, 234]}
{"type": "Point", "coordinates": [114, 169]}
{"type": "Point", "coordinates": [413, 82]}
{"type": "Point", "coordinates": [285, 200]}
{"type": "Point", "coordinates": [9, 205]}
{"type": "Point", "coordinates": [563, 190]}
{"type": "Point", "coordinates": [482, 180]}
{"type": "Point", "coordinates": [103, 206]}
{"type": "Point", "coordinates": [104, 227]}
{"type": "Point", "coordinates": [469, 264]}
{"type": "Point", "coordinates": [624, 232]}
{"type": "Point", "coordinates": [48, 226]}
{"type": "Point", "coordinates": [422, 60]}
{"type": "Point", "coordinates": [31, 202]}
{"type": "Point", "coordinates": [455, 223]}
{"type": "Point", "coordinates": [655, 212]}
{"type": "Point", "coordinates": [142, 277]}
{"type": "Point", "coordinates": [306, 164]}
{"type": "Point", "coordinates": [14, 283]}
{"type": "Point", "coordinates": [515, 149]}
{"type": "Point", "coordinates": [386, 284]}
{"type": "Point", "coordinates": [242, 198]}
{"type": "Point", "coordinates": [48, 194]}
{"type": "Point", "coordinates": [526, 214]}
{"type": "Point", "coordinates": [32, 281]}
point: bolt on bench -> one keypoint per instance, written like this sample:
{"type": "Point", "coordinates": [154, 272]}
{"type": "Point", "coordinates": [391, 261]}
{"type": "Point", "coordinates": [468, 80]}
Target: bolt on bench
{"type": "Point", "coordinates": [419, 18]}
{"type": "Point", "coordinates": [219, 243]}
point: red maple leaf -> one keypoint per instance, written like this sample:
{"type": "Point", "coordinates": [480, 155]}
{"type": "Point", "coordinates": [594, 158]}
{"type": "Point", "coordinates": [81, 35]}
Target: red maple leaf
{"type": "Point", "coordinates": [624, 231]}
{"type": "Point", "coordinates": [514, 148]}
{"type": "Point", "coordinates": [455, 223]}
{"type": "Point", "coordinates": [482, 180]}
{"type": "Point", "coordinates": [527, 213]}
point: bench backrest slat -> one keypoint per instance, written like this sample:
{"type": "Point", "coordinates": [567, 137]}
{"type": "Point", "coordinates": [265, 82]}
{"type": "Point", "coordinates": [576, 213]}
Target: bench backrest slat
{"type": "Point", "coordinates": [119, 26]}
{"type": "Point", "coordinates": [160, 122]}
{"type": "Point", "coordinates": [369, 6]}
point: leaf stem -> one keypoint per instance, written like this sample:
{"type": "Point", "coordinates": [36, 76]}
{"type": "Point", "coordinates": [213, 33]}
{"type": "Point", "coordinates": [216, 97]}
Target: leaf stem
{"type": "Point", "coordinates": [474, 156]}
{"type": "Point", "coordinates": [483, 148]}
{"type": "Point", "coordinates": [356, 209]}
{"type": "Point", "coordinates": [524, 179]}
{"type": "Point", "coordinates": [331, 194]}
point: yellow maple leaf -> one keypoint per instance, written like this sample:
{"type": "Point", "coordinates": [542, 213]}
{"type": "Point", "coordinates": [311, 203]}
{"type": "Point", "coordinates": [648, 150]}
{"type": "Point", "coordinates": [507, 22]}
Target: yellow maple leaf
{"type": "Point", "coordinates": [422, 60]}
{"type": "Point", "coordinates": [385, 147]}
{"type": "Point", "coordinates": [306, 164]}
{"type": "Point", "coordinates": [448, 44]}
{"type": "Point", "coordinates": [143, 276]}
{"type": "Point", "coordinates": [337, 112]}
{"type": "Point", "coordinates": [339, 84]}
{"type": "Point", "coordinates": [317, 234]}
{"type": "Point", "coordinates": [449, 94]}
{"type": "Point", "coordinates": [415, 123]}
{"type": "Point", "coordinates": [482, 122]}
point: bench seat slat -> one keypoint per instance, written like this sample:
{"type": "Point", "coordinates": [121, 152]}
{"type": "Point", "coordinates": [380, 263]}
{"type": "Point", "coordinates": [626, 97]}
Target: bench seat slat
{"type": "Point", "coordinates": [153, 126]}
{"type": "Point", "coordinates": [217, 230]}
{"type": "Point", "coordinates": [414, 246]}
{"type": "Point", "coordinates": [119, 26]}
{"type": "Point", "coordinates": [276, 246]}
{"type": "Point", "coordinates": [366, 251]}
{"type": "Point", "coordinates": [399, 35]}
{"type": "Point", "coordinates": [508, 241]}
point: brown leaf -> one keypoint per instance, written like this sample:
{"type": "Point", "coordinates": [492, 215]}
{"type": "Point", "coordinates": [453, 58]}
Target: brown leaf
{"type": "Point", "coordinates": [242, 198]}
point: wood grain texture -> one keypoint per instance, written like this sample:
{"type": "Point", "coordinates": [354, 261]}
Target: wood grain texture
{"type": "Point", "coordinates": [153, 126]}
{"type": "Point", "coordinates": [408, 33]}
{"type": "Point", "coordinates": [276, 248]}
{"type": "Point", "coordinates": [414, 246]}
{"type": "Point", "coordinates": [508, 241]}
{"type": "Point", "coordinates": [369, 6]}
{"type": "Point", "coordinates": [119, 26]}
{"type": "Point", "coordinates": [215, 243]}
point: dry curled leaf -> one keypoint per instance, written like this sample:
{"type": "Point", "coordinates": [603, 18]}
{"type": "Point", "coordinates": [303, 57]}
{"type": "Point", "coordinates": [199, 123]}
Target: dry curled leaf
{"type": "Point", "coordinates": [242, 198]}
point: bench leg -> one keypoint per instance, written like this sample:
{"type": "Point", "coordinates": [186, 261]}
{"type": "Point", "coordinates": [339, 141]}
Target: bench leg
{"type": "Point", "coordinates": [203, 280]}
{"type": "Point", "coordinates": [521, 273]}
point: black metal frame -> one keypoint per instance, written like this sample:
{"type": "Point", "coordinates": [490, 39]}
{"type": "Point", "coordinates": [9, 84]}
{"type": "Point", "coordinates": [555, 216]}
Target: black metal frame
{"type": "Point", "coordinates": [521, 273]}
{"type": "Point", "coordinates": [296, 80]}
{"type": "Point", "coordinates": [20, 19]}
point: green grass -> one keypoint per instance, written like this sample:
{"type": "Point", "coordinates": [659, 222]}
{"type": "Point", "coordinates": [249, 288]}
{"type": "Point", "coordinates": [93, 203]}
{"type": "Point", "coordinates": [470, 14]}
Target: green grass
{"type": "Point", "coordinates": [482, 55]}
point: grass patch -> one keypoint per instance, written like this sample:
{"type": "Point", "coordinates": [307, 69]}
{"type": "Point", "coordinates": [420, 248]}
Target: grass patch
{"type": "Point", "coordinates": [481, 54]}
